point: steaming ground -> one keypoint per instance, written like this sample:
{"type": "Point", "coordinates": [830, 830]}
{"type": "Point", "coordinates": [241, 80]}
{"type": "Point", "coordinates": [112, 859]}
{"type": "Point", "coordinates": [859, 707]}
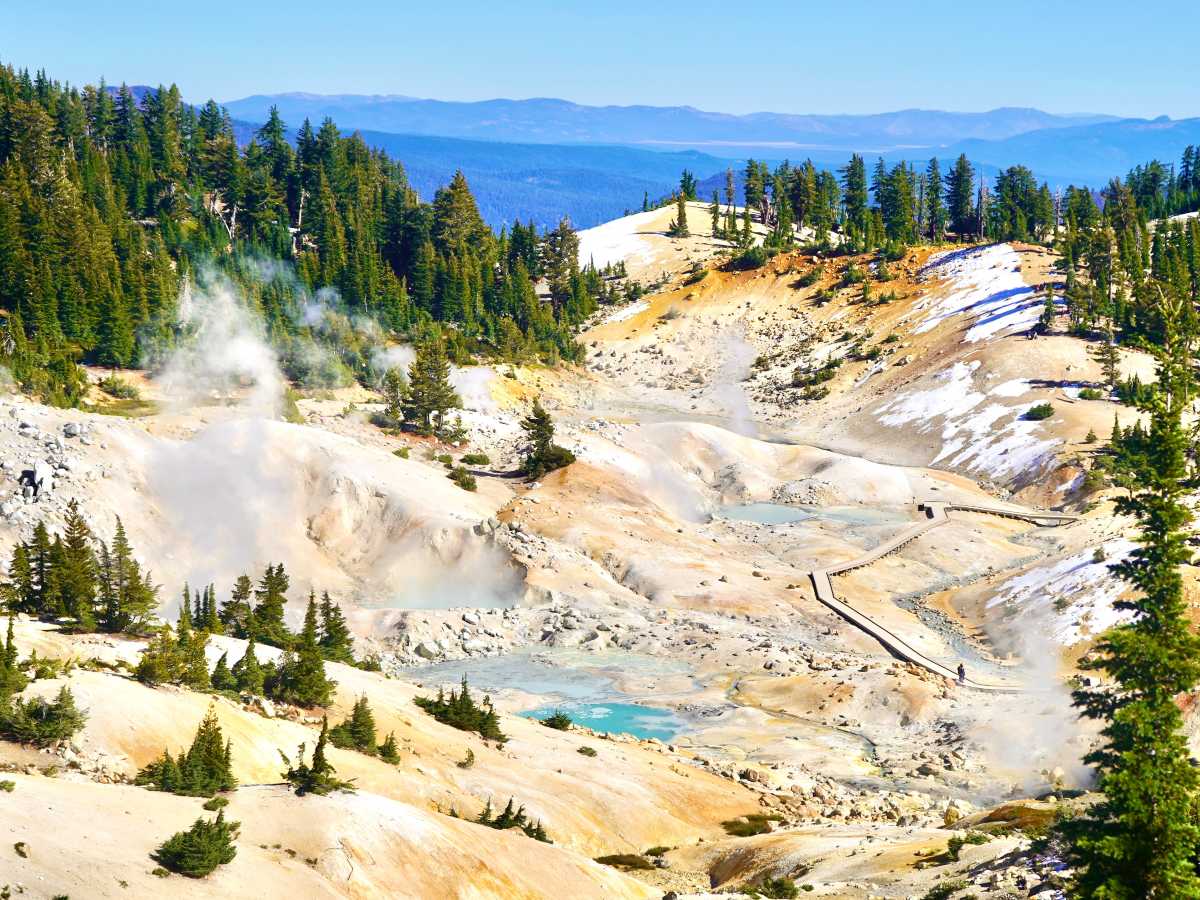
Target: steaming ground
{"type": "Point", "coordinates": [640, 573]}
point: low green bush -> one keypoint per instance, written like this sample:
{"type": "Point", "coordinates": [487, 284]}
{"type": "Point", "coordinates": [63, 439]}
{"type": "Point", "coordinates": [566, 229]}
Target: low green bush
{"type": "Point", "coordinates": [559, 721]}
{"type": "Point", "coordinates": [625, 861]}
{"type": "Point", "coordinates": [1039, 412]}
{"type": "Point", "coordinates": [750, 825]}
{"type": "Point", "coordinates": [463, 478]}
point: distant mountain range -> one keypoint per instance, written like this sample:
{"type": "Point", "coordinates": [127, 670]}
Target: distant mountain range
{"type": "Point", "coordinates": [550, 121]}
{"type": "Point", "coordinates": [543, 158]}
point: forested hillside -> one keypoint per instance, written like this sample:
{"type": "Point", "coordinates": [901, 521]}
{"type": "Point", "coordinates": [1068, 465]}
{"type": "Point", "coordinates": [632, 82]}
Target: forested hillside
{"type": "Point", "coordinates": [107, 204]}
{"type": "Point", "coordinates": [110, 200]}
{"type": "Point", "coordinates": [1114, 260]}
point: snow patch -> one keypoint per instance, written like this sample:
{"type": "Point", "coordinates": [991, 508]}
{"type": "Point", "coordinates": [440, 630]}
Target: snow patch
{"type": "Point", "coordinates": [986, 284]}
{"type": "Point", "coordinates": [955, 395]}
{"type": "Point", "coordinates": [1077, 592]}
{"type": "Point", "coordinates": [628, 312]}
{"type": "Point", "coordinates": [1015, 388]}
{"type": "Point", "coordinates": [618, 240]}
{"type": "Point", "coordinates": [972, 438]}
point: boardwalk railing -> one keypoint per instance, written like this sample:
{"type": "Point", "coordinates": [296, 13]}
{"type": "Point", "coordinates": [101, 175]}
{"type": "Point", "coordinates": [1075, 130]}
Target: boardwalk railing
{"type": "Point", "coordinates": [936, 514]}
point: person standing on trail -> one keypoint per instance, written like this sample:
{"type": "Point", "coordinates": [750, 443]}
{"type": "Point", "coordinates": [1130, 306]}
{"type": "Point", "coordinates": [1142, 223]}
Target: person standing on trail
{"type": "Point", "coordinates": [962, 674]}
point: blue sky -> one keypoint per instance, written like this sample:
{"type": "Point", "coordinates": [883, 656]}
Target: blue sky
{"type": "Point", "coordinates": [849, 56]}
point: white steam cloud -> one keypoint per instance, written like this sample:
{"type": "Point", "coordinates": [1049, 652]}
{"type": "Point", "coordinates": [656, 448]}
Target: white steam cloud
{"type": "Point", "coordinates": [728, 391]}
{"type": "Point", "coordinates": [223, 352]}
{"type": "Point", "coordinates": [248, 490]}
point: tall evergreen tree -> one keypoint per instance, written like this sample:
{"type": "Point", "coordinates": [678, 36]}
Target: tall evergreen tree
{"type": "Point", "coordinates": [430, 394]}
{"type": "Point", "coordinates": [337, 644]}
{"type": "Point", "coordinates": [1140, 840]}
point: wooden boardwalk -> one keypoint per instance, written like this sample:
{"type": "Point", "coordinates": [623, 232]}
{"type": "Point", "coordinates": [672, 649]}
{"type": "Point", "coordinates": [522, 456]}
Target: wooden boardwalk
{"type": "Point", "coordinates": [936, 512]}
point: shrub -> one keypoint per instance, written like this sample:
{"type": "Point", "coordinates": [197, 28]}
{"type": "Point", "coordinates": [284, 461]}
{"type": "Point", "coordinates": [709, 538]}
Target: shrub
{"type": "Point", "coordinates": [749, 825]}
{"type": "Point", "coordinates": [42, 722]}
{"type": "Point", "coordinates": [463, 478]}
{"type": "Point", "coordinates": [809, 278]}
{"type": "Point", "coordinates": [459, 710]}
{"type": "Point", "coordinates": [658, 851]}
{"type": "Point", "coordinates": [1039, 412]}
{"type": "Point", "coordinates": [1091, 437]}
{"type": "Point", "coordinates": [467, 761]}
{"type": "Point", "coordinates": [750, 258]}
{"type": "Point", "coordinates": [510, 818]}
{"type": "Point", "coordinates": [358, 731]}
{"type": "Point", "coordinates": [401, 452]}
{"type": "Point", "coordinates": [625, 861]}
{"type": "Point", "coordinates": [957, 842]}
{"type": "Point", "coordinates": [945, 890]}
{"type": "Point", "coordinates": [559, 721]}
{"type": "Point", "coordinates": [215, 803]}
{"type": "Point", "coordinates": [1090, 394]}
{"type": "Point", "coordinates": [8, 786]}
{"type": "Point", "coordinates": [475, 459]}
{"type": "Point", "coordinates": [319, 778]}
{"type": "Point", "coordinates": [118, 388]}
{"type": "Point", "coordinates": [853, 275]}
{"type": "Point", "coordinates": [199, 850]}
{"type": "Point", "coordinates": [587, 751]}
{"type": "Point", "coordinates": [696, 275]}
{"type": "Point", "coordinates": [802, 378]}
{"type": "Point", "coordinates": [775, 889]}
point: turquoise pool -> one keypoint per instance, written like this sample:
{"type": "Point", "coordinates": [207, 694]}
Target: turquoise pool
{"type": "Point", "coordinates": [618, 718]}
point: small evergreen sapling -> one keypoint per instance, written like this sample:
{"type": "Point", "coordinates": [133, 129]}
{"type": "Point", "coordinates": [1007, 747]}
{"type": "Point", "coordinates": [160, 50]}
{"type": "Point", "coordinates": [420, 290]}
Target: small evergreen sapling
{"type": "Point", "coordinates": [198, 851]}
{"type": "Point", "coordinates": [319, 778]}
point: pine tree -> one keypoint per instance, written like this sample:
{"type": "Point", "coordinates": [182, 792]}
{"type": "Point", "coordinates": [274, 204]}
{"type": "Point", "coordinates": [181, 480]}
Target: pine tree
{"type": "Point", "coordinates": [357, 732]}
{"type": "Point", "coordinates": [12, 679]}
{"type": "Point", "coordinates": [76, 575]}
{"type": "Point", "coordinates": [319, 778]}
{"type": "Point", "coordinates": [1109, 358]}
{"type": "Point", "coordinates": [269, 625]}
{"type": "Point", "coordinates": [222, 678]}
{"type": "Point", "coordinates": [337, 645]}
{"type": "Point", "coordinates": [714, 212]}
{"type": "Point", "coordinates": [389, 752]}
{"type": "Point", "coordinates": [302, 674]}
{"type": "Point", "coordinates": [41, 722]}
{"type": "Point", "coordinates": [393, 387]}
{"type": "Point", "coordinates": [1141, 839]}
{"type": "Point", "coordinates": [127, 597]}
{"type": "Point", "coordinates": [1049, 311]}
{"type": "Point", "coordinates": [198, 851]}
{"type": "Point", "coordinates": [960, 186]}
{"type": "Point", "coordinates": [542, 455]}
{"type": "Point", "coordinates": [248, 672]}
{"type": "Point", "coordinates": [203, 770]}
{"type": "Point", "coordinates": [679, 225]}
{"type": "Point", "coordinates": [236, 614]}
{"type": "Point", "coordinates": [430, 394]}
{"type": "Point", "coordinates": [935, 209]}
